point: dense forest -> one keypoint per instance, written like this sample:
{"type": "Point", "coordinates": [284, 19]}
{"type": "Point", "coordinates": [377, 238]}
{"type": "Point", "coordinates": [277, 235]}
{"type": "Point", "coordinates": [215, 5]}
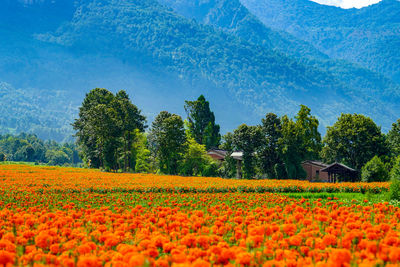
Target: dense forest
{"type": "Point", "coordinates": [158, 49]}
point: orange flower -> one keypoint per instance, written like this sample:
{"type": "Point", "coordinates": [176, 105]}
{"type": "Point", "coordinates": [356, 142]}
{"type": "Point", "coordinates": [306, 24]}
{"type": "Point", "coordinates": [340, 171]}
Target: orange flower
{"type": "Point", "coordinates": [89, 261]}
{"type": "Point", "coordinates": [244, 258]}
{"type": "Point", "coordinates": [137, 260]}
{"type": "Point", "coordinates": [6, 258]}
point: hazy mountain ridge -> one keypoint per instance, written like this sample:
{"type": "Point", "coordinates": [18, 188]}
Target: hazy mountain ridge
{"type": "Point", "coordinates": [37, 111]}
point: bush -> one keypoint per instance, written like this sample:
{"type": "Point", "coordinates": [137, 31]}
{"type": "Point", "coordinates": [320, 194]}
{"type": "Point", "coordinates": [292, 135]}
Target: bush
{"type": "Point", "coordinates": [2, 156]}
{"type": "Point", "coordinates": [374, 171]}
{"type": "Point", "coordinates": [196, 162]}
{"type": "Point", "coordinates": [394, 192]}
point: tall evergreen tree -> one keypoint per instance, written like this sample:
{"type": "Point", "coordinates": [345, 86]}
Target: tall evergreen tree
{"type": "Point", "coordinates": [167, 141]}
{"type": "Point", "coordinates": [393, 138]}
{"type": "Point", "coordinates": [292, 154]}
{"type": "Point", "coordinates": [269, 155]}
{"type": "Point", "coordinates": [229, 164]}
{"type": "Point", "coordinates": [129, 120]}
{"type": "Point", "coordinates": [86, 135]}
{"type": "Point", "coordinates": [202, 122]}
{"type": "Point", "coordinates": [300, 141]}
{"type": "Point", "coordinates": [307, 126]}
{"type": "Point", "coordinates": [248, 139]}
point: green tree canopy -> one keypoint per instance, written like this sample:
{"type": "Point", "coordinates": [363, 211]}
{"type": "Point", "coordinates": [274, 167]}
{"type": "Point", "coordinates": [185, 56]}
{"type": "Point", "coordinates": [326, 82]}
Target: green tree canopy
{"type": "Point", "coordinates": [353, 140]}
{"type": "Point", "coordinates": [374, 171]}
{"type": "Point", "coordinates": [393, 138]}
{"type": "Point", "coordinates": [229, 164]}
{"type": "Point", "coordinates": [307, 126]}
{"type": "Point", "coordinates": [394, 192]}
{"type": "Point", "coordinates": [130, 120]}
{"type": "Point", "coordinates": [167, 138]}
{"type": "Point", "coordinates": [57, 157]}
{"type": "Point", "coordinates": [143, 161]}
{"type": "Point", "coordinates": [105, 129]}
{"type": "Point", "coordinates": [300, 141]}
{"type": "Point", "coordinates": [248, 139]}
{"type": "Point", "coordinates": [291, 143]}
{"type": "Point", "coordinates": [196, 161]}
{"type": "Point", "coordinates": [28, 147]}
{"type": "Point", "coordinates": [269, 154]}
{"type": "Point", "coordinates": [201, 122]}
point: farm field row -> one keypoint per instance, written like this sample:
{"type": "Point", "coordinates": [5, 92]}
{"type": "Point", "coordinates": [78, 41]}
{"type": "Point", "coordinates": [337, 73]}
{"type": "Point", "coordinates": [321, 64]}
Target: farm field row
{"type": "Point", "coordinates": [33, 178]}
{"type": "Point", "coordinates": [107, 228]}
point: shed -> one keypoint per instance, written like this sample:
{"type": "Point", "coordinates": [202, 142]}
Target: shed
{"type": "Point", "coordinates": [340, 171]}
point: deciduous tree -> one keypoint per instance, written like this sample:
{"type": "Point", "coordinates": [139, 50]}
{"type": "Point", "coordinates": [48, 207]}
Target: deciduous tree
{"type": "Point", "coordinates": [105, 129]}
{"type": "Point", "coordinates": [248, 139]}
{"type": "Point", "coordinates": [167, 137]}
{"type": "Point", "coordinates": [353, 140]}
{"type": "Point", "coordinates": [374, 171]}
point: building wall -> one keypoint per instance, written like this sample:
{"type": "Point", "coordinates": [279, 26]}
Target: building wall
{"type": "Point", "coordinates": [311, 171]}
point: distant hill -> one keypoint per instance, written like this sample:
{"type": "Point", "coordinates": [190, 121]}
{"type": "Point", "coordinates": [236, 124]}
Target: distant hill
{"type": "Point", "coordinates": [162, 58]}
{"type": "Point", "coordinates": [368, 36]}
{"type": "Point", "coordinates": [37, 111]}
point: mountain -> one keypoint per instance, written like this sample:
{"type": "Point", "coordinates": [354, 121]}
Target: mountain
{"type": "Point", "coordinates": [368, 36]}
{"type": "Point", "coordinates": [162, 58]}
{"type": "Point", "coordinates": [233, 17]}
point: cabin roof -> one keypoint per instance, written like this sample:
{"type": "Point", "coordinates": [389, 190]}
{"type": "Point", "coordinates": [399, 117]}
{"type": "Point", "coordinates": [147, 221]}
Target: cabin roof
{"type": "Point", "coordinates": [337, 167]}
{"type": "Point", "coordinates": [217, 151]}
{"type": "Point", "coordinates": [316, 163]}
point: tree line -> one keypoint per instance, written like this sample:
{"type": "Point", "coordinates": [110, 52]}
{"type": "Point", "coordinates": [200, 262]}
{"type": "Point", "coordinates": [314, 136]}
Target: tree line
{"type": "Point", "coordinates": [29, 148]}
{"type": "Point", "coordinates": [111, 135]}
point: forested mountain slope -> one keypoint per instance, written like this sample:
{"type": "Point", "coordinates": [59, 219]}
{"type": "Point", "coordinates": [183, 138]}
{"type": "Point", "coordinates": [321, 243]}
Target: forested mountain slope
{"type": "Point", "coordinates": [231, 16]}
{"type": "Point", "coordinates": [162, 58]}
{"type": "Point", "coordinates": [369, 36]}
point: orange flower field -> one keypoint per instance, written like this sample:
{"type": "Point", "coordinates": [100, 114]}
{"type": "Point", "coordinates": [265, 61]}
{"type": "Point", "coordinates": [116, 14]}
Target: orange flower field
{"type": "Point", "coordinates": [77, 217]}
{"type": "Point", "coordinates": [32, 178]}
